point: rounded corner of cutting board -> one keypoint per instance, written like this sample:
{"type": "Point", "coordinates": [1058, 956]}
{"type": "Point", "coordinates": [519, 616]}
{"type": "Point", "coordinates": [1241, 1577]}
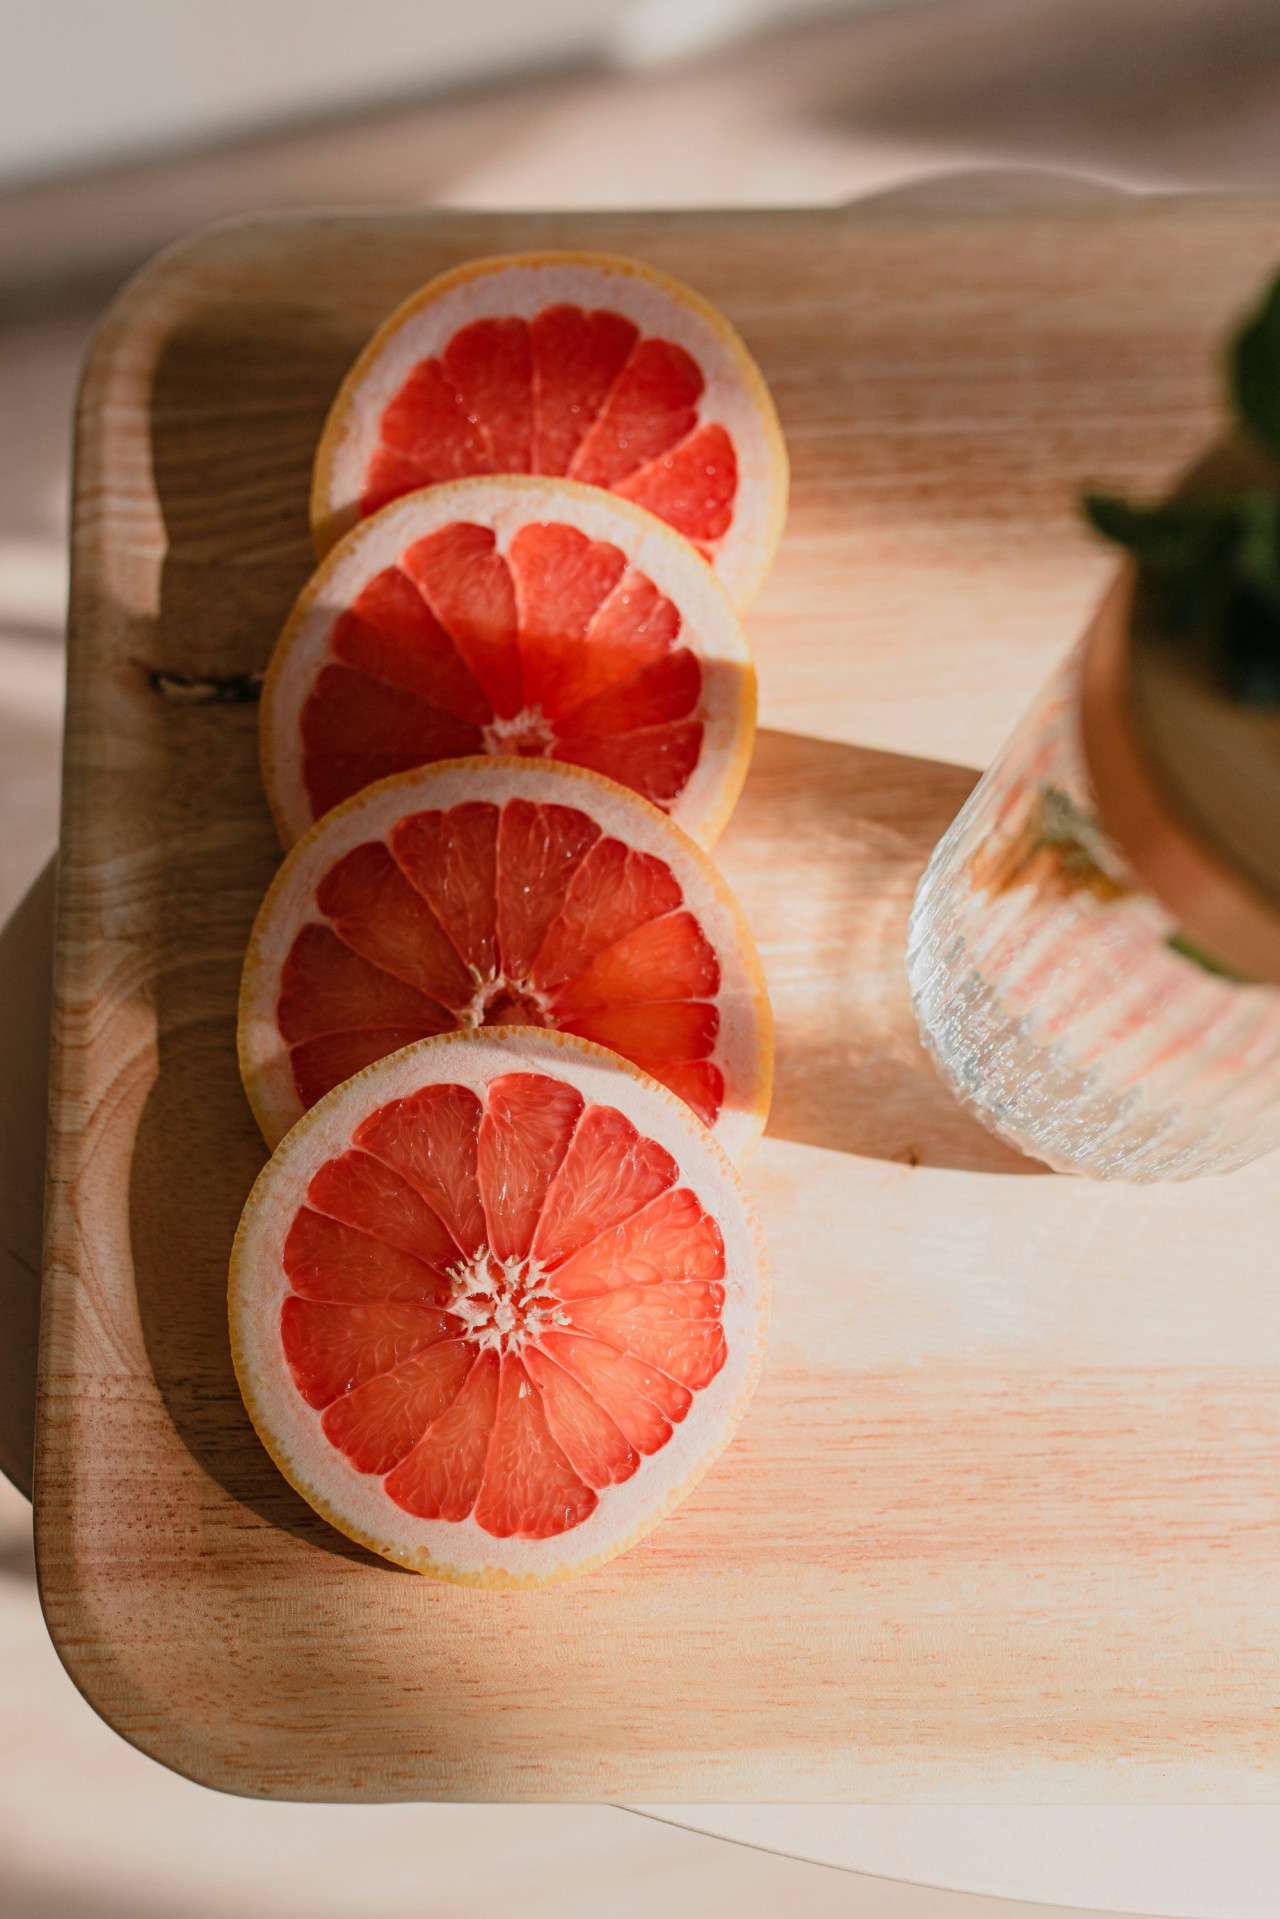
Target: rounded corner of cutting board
{"type": "Point", "coordinates": [147, 1717]}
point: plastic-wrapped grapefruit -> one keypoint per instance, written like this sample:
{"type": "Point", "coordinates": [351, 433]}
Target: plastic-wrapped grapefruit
{"type": "Point", "coordinates": [487, 893]}
{"type": "Point", "coordinates": [576, 365]}
{"type": "Point", "coordinates": [496, 1305]}
{"type": "Point", "coordinates": [511, 616]}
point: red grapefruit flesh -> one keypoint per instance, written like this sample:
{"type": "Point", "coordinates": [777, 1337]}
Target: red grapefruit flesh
{"type": "Point", "coordinates": [576, 366]}
{"type": "Point", "coordinates": [489, 893]}
{"type": "Point", "coordinates": [511, 616]}
{"type": "Point", "coordinates": [541, 1331]}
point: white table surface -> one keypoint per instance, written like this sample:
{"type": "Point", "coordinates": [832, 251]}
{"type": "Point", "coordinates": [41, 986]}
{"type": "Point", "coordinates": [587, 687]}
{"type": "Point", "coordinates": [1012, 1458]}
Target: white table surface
{"type": "Point", "coordinates": [1182, 1862]}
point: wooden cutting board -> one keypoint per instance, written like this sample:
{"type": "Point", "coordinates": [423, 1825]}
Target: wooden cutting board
{"type": "Point", "coordinates": [1003, 1521]}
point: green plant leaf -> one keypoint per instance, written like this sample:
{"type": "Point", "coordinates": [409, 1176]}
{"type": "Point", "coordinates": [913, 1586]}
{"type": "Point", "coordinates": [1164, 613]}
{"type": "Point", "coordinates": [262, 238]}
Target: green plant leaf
{"type": "Point", "coordinates": [1250, 650]}
{"type": "Point", "coordinates": [1256, 560]}
{"type": "Point", "coordinates": [1174, 536]}
{"type": "Point", "coordinates": [1201, 956]}
{"type": "Point", "coordinates": [1254, 368]}
{"type": "Point", "coordinates": [1184, 548]}
{"type": "Point", "coordinates": [1212, 562]}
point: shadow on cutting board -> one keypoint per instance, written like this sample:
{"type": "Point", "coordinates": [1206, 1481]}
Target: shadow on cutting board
{"type": "Point", "coordinates": [824, 852]}
{"type": "Point", "coordinates": [238, 399]}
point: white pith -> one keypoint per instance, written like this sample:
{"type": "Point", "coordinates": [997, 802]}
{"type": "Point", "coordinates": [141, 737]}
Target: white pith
{"type": "Point", "coordinates": [710, 629]}
{"type": "Point", "coordinates": [744, 1045]}
{"type": "Point", "coordinates": [735, 394]}
{"type": "Point", "coordinates": [503, 1303]}
{"type": "Point", "coordinates": [492, 988]}
{"type": "Point", "coordinates": [358, 1503]}
{"type": "Point", "coordinates": [526, 732]}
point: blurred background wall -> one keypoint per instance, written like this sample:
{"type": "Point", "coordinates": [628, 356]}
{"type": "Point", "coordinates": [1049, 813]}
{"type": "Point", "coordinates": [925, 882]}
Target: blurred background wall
{"type": "Point", "coordinates": [88, 81]}
{"type": "Point", "coordinates": [124, 123]}
{"type": "Point", "coordinates": [83, 83]}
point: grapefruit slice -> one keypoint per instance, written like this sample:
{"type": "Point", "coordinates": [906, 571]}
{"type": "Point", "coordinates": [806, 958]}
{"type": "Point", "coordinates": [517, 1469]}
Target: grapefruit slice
{"type": "Point", "coordinates": [488, 893]}
{"type": "Point", "coordinates": [496, 1305]}
{"type": "Point", "coordinates": [577, 365]}
{"type": "Point", "coordinates": [511, 616]}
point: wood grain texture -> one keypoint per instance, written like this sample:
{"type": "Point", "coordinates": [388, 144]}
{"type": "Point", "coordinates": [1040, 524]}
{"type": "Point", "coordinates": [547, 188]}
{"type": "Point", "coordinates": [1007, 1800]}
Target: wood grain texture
{"type": "Point", "coordinates": [1002, 1521]}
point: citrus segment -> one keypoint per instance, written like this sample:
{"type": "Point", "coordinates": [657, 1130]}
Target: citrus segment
{"type": "Point", "coordinates": [583, 1430]}
{"type": "Point", "coordinates": [380, 1418]}
{"type": "Point", "coordinates": [392, 636]}
{"type": "Point", "coordinates": [657, 695]}
{"type": "Point", "coordinates": [468, 585]}
{"type": "Point", "coordinates": [431, 1141]}
{"type": "Point", "coordinates": [376, 912]}
{"type": "Point", "coordinates": [491, 893]}
{"type": "Point", "coordinates": [579, 357]}
{"type": "Point", "coordinates": [666, 1325]}
{"type": "Point", "coordinates": [325, 973]}
{"type": "Point", "coordinates": [542, 1401]}
{"type": "Point", "coordinates": [364, 1192]}
{"type": "Point", "coordinates": [667, 1239]}
{"type": "Point", "coordinates": [529, 1490]}
{"type": "Point", "coordinates": [661, 959]}
{"type": "Point", "coordinates": [523, 1138]}
{"type": "Point", "coordinates": [333, 1346]}
{"type": "Point", "coordinates": [327, 1259]}
{"type": "Point", "coordinates": [441, 1475]}
{"type": "Point", "coordinates": [608, 1174]}
{"type": "Point", "coordinates": [540, 845]}
{"type": "Point", "coordinates": [644, 1402]}
{"type": "Point", "coordinates": [693, 488]}
{"type": "Point", "coordinates": [452, 864]}
{"type": "Point", "coordinates": [676, 1032]}
{"type": "Point", "coordinates": [693, 1081]}
{"type": "Point", "coordinates": [652, 406]}
{"type": "Point", "coordinates": [330, 1058]}
{"type": "Point", "coordinates": [510, 616]}
{"type": "Point", "coordinates": [572, 366]}
{"type": "Point", "coordinates": [358, 730]}
{"type": "Point", "coordinates": [657, 761]}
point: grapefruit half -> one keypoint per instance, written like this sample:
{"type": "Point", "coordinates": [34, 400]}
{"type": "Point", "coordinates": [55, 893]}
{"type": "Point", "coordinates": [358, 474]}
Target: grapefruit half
{"type": "Point", "coordinates": [488, 893]}
{"type": "Point", "coordinates": [578, 365]}
{"type": "Point", "coordinates": [511, 616]}
{"type": "Point", "coordinates": [496, 1304]}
